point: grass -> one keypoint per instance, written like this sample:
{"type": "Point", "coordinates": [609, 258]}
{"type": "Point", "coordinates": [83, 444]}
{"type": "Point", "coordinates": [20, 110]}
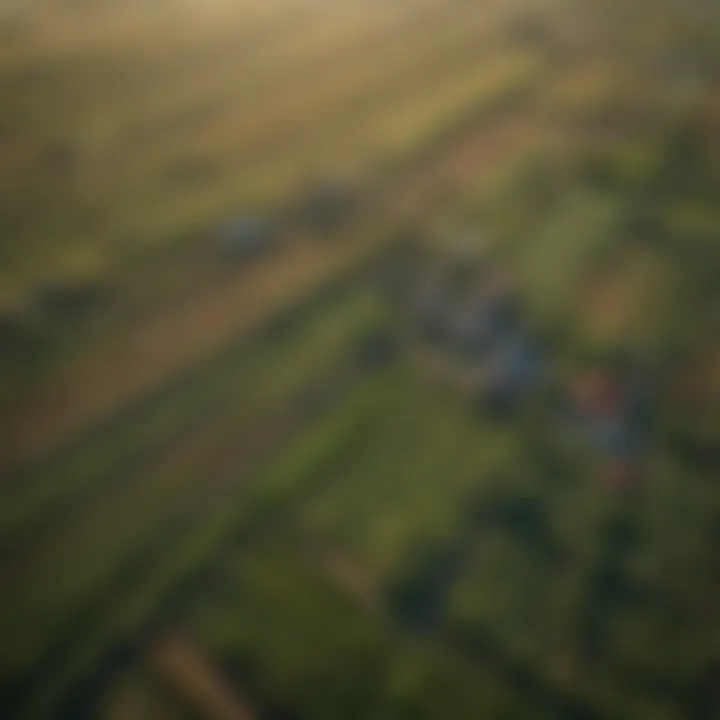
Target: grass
{"type": "Point", "coordinates": [196, 545]}
{"type": "Point", "coordinates": [167, 482]}
{"type": "Point", "coordinates": [387, 506]}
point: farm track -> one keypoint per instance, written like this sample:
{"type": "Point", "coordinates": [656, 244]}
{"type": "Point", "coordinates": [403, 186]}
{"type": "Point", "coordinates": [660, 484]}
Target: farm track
{"type": "Point", "coordinates": [192, 675]}
{"type": "Point", "coordinates": [162, 346]}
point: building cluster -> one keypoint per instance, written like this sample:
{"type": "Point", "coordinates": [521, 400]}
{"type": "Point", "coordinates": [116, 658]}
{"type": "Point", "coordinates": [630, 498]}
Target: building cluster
{"type": "Point", "coordinates": [462, 314]}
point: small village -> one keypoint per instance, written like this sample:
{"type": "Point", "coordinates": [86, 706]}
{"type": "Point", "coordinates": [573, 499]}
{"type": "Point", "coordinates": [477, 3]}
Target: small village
{"type": "Point", "coordinates": [462, 314]}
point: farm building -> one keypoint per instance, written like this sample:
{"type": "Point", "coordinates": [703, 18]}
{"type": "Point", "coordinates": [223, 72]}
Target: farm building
{"type": "Point", "coordinates": [612, 412]}
{"type": "Point", "coordinates": [463, 311]}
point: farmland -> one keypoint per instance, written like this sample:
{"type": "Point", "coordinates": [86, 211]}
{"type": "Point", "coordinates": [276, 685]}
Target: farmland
{"type": "Point", "coordinates": [238, 486]}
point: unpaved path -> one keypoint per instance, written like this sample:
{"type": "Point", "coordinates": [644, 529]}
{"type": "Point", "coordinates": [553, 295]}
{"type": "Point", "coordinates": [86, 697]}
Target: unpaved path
{"type": "Point", "coordinates": [177, 337]}
{"type": "Point", "coordinates": [191, 674]}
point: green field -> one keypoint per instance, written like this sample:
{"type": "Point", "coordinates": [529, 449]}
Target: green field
{"type": "Point", "coordinates": [236, 489]}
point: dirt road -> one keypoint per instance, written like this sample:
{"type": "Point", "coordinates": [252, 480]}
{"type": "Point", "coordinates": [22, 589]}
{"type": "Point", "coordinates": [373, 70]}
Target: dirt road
{"type": "Point", "coordinates": [190, 674]}
{"type": "Point", "coordinates": [177, 337]}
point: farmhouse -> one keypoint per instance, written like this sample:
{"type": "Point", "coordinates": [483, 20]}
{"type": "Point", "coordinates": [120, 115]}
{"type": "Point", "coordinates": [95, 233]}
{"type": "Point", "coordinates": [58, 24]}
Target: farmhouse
{"type": "Point", "coordinates": [464, 313]}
